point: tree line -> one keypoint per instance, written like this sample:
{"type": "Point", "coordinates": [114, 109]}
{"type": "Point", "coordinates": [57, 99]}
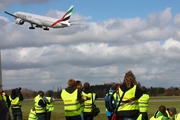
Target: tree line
{"type": "Point", "coordinates": [101, 91]}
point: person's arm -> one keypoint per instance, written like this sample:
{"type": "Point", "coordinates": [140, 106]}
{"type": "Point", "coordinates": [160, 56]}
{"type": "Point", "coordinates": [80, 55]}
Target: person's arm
{"type": "Point", "coordinates": [42, 103]}
{"type": "Point", "coordinates": [21, 97]}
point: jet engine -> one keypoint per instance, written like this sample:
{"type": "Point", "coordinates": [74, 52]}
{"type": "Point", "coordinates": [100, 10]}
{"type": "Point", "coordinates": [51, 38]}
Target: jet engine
{"type": "Point", "coordinates": [19, 21]}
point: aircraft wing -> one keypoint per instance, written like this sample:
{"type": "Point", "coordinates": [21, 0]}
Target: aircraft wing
{"type": "Point", "coordinates": [15, 16]}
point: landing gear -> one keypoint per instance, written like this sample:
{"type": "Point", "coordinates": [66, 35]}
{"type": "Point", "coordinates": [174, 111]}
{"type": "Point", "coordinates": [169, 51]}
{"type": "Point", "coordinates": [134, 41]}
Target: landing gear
{"type": "Point", "coordinates": [46, 28]}
{"type": "Point", "coordinates": [31, 27]}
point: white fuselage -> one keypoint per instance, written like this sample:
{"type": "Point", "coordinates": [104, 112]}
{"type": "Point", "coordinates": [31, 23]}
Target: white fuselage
{"type": "Point", "coordinates": [42, 20]}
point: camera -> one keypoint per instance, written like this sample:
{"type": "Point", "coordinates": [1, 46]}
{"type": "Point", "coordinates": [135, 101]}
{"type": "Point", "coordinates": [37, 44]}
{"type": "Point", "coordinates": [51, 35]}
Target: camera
{"type": "Point", "coordinates": [18, 91]}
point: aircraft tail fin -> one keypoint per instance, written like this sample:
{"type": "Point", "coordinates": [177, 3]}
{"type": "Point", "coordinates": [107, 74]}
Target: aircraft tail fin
{"type": "Point", "coordinates": [67, 15]}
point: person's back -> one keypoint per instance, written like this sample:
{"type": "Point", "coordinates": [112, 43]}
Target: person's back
{"type": "Point", "coordinates": [71, 98]}
{"type": "Point", "coordinates": [111, 100]}
{"type": "Point", "coordinates": [129, 108]}
{"type": "Point", "coordinates": [143, 104]}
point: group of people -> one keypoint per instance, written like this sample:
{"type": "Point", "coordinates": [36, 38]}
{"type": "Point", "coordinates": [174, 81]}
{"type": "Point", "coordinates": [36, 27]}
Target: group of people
{"type": "Point", "coordinates": [44, 105]}
{"type": "Point", "coordinates": [78, 100]}
{"type": "Point", "coordinates": [131, 103]}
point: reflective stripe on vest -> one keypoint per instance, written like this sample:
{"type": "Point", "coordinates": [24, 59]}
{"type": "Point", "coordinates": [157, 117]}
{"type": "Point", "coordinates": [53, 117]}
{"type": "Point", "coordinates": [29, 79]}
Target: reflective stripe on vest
{"type": "Point", "coordinates": [50, 107]}
{"type": "Point", "coordinates": [143, 103]}
{"type": "Point", "coordinates": [71, 104]}
{"type": "Point", "coordinates": [15, 103]}
{"type": "Point", "coordinates": [128, 102]}
{"type": "Point", "coordinates": [37, 107]}
{"type": "Point", "coordinates": [168, 115]}
{"type": "Point", "coordinates": [88, 103]}
{"type": "Point", "coordinates": [32, 115]}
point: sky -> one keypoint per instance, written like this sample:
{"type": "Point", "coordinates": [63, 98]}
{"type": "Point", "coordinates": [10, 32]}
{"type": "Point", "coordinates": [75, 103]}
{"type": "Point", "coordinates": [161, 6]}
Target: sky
{"type": "Point", "coordinates": [112, 38]}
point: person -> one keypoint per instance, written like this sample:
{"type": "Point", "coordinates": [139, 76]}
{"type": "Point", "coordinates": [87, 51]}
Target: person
{"type": "Point", "coordinates": [72, 98]}
{"type": "Point", "coordinates": [6, 99]}
{"type": "Point", "coordinates": [88, 104]}
{"type": "Point", "coordinates": [160, 114]}
{"type": "Point", "coordinates": [4, 110]}
{"type": "Point", "coordinates": [111, 91]}
{"type": "Point", "coordinates": [129, 108]}
{"type": "Point", "coordinates": [50, 106]}
{"type": "Point", "coordinates": [143, 105]}
{"type": "Point", "coordinates": [79, 87]}
{"type": "Point", "coordinates": [16, 98]}
{"type": "Point", "coordinates": [40, 105]}
{"type": "Point", "coordinates": [177, 116]}
{"type": "Point", "coordinates": [32, 115]}
{"type": "Point", "coordinates": [171, 111]}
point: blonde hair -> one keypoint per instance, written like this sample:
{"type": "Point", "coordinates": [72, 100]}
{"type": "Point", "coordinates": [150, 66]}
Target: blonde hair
{"type": "Point", "coordinates": [130, 79]}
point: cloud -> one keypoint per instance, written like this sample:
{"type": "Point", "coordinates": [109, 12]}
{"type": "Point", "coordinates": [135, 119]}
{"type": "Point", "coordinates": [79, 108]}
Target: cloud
{"type": "Point", "coordinates": [96, 52]}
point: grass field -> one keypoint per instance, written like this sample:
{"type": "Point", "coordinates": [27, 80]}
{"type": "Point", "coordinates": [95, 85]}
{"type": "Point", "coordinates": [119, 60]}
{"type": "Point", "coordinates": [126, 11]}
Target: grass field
{"type": "Point", "coordinates": [58, 113]}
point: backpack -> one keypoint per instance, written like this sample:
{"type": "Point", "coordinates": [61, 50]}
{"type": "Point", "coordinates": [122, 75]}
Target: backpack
{"type": "Point", "coordinates": [110, 102]}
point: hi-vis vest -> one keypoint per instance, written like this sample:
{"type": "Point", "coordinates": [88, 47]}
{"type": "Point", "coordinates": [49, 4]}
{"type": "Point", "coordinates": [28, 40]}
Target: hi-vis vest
{"type": "Point", "coordinates": [177, 116]}
{"type": "Point", "coordinates": [32, 115]}
{"type": "Point", "coordinates": [143, 103]}
{"type": "Point", "coordinates": [38, 108]}
{"type": "Point", "coordinates": [128, 101]}
{"type": "Point", "coordinates": [50, 107]}
{"type": "Point", "coordinates": [88, 103]}
{"type": "Point", "coordinates": [15, 103]}
{"type": "Point", "coordinates": [168, 115]}
{"type": "Point", "coordinates": [71, 104]}
{"type": "Point", "coordinates": [159, 118]}
{"type": "Point", "coordinates": [4, 98]}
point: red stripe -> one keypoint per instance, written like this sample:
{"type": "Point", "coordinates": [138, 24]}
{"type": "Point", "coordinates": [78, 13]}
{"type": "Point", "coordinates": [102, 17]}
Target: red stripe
{"type": "Point", "coordinates": [58, 21]}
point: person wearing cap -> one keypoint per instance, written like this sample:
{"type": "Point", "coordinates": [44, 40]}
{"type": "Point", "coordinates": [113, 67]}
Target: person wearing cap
{"type": "Point", "coordinates": [171, 111]}
{"type": "Point", "coordinates": [160, 114]}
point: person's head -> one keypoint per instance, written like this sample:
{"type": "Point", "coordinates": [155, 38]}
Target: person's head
{"type": "Point", "coordinates": [162, 109]}
{"type": "Point", "coordinates": [144, 89]}
{"type": "Point", "coordinates": [48, 94]}
{"type": "Point", "coordinates": [172, 111]}
{"type": "Point", "coordinates": [72, 83]}
{"type": "Point", "coordinates": [86, 85]}
{"type": "Point", "coordinates": [41, 93]}
{"type": "Point", "coordinates": [113, 87]}
{"type": "Point", "coordinates": [78, 84]}
{"type": "Point", "coordinates": [130, 79]}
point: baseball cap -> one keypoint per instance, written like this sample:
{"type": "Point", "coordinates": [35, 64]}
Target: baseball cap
{"type": "Point", "coordinates": [173, 109]}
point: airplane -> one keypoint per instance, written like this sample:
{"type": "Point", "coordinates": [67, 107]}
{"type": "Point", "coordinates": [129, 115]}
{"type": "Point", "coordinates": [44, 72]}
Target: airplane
{"type": "Point", "coordinates": [42, 21]}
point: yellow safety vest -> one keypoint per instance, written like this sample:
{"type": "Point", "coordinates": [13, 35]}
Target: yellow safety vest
{"type": "Point", "coordinates": [128, 101]}
{"type": "Point", "coordinates": [15, 103]}
{"type": "Point", "coordinates": [168, 115]}
{"type": "Point", "coordinates": [50, 107]}
{"type": "Point", "coordinates": [4, 98]}
{"type": "Point", "coordinates": [88, 103]}
{"type": "Point", "coordinates": [177, 116]}
{"type": "Point", "coordinates": [143, 103]}
{"type": "Point", "coordinates": [37, 107]}
{"type": "Point", "coordinates": [32, 115]}
{"type": "Point", "coordinates": [159, 118]}
{"type": "Point", "coordinates": [71, 104]}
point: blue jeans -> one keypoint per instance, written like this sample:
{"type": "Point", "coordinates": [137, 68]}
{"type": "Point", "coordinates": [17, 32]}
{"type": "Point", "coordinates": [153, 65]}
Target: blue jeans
{"type": "Point", "coordinates": [17, 113]}
{"type": "Point", "coordinates": [41, 116]}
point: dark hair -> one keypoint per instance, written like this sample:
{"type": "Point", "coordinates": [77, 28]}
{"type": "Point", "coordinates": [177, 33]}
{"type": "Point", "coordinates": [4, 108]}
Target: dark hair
{"type": "Point", "coordinates": [162, 109]}
{"type": "Point", "coordinates": [113, 87]}
{"type": "Point", "coordinates": [86, 85]}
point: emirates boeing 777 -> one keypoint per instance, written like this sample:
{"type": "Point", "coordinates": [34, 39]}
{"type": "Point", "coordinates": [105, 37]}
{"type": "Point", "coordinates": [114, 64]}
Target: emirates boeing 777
{"type": "Point", "coordinates": [42, 21]}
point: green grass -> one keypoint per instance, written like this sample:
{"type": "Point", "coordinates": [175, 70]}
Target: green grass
{"type": "Point", "coordinates": [58, 113]}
